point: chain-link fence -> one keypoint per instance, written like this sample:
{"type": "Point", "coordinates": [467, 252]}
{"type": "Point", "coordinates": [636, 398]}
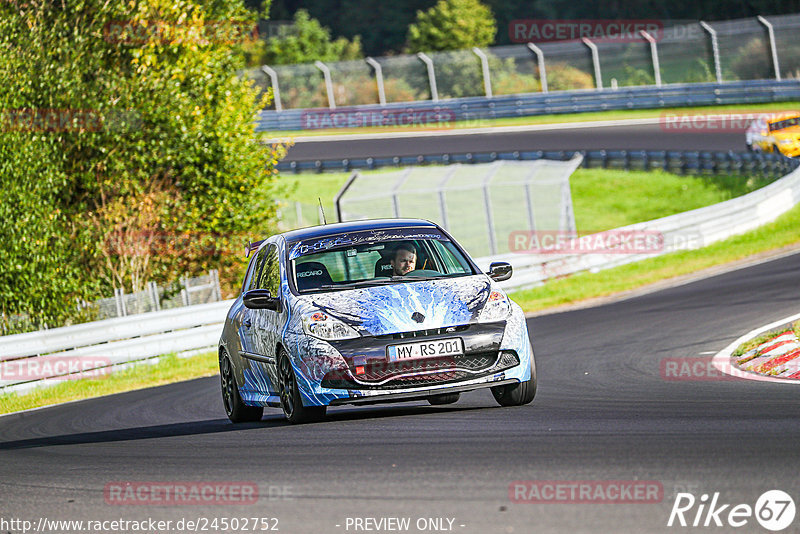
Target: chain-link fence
{"type": "Point", "coordinates": [686, 52]}
{"type": "Point", "coordinates": [477, 203]}
{"type": "Point", "coordinates": [185, 292]}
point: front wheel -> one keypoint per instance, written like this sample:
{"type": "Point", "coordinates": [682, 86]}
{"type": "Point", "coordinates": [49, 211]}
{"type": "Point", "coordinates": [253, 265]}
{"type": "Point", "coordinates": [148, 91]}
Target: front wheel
{"type": "Point", "coordinates": [235, 408]}
{"type": "Point", "coordinates": [517, 394]}
{"type": "Point", "coordinates": [291, 402]}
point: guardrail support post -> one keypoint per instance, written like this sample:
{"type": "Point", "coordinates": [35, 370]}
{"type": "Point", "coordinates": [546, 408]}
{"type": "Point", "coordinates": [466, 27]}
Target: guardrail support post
{"type": "Point", "coordinates": [772, 49]}
{"type": "Point", "coordinates": [598, 77]}
{"type": "Point", "coordinates": [326, 72]}
{"type": "Point", "coordinates": [378, 79]}
{"type": "Point", "coordinates": [487, 79]}
{"type": "Point", "coordinates": [273, 80]}
{"type": "Point", "coordinates": [431, 75]}
{"type": "Point", "coordinates": [654, 54]}
{"type": "Point", "coordinates": [540, 61]}
{"type": "Point", "coordinates": [152, 287]}
{"type": "Point", "coordinates": [714, 49]}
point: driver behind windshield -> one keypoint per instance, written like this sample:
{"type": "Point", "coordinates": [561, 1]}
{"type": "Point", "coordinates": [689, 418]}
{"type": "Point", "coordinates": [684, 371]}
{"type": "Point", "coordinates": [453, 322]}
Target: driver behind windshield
{"type": "Point", "coordinates": [404, 260]}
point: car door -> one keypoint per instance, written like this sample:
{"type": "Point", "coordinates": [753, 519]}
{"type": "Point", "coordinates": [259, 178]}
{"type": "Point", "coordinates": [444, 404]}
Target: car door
{"type": "Point", "coordinates": [266, 325]}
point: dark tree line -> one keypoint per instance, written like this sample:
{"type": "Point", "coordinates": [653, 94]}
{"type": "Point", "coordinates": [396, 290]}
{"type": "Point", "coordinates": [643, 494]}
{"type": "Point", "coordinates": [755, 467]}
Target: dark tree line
{"type": "Point", "coordinates": [383, 25]}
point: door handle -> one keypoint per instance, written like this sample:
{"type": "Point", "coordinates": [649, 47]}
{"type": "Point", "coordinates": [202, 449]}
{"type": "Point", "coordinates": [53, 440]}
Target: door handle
{"type": "Point", "coordinates": [248, 323]}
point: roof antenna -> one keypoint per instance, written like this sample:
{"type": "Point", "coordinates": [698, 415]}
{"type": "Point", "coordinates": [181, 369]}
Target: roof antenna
{"type": "Point", "coordinates": [322, 211]}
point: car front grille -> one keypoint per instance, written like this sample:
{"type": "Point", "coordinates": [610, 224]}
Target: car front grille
{"type": "Point", "coordinates": [421, 372]}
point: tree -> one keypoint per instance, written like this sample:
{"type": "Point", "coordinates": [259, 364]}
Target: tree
{"type": "Point", "coordinates": [124, 119]}
{"type": "Point", "coordinates": [452, 25]}
{"type": "Point", "coordinates": [308, 41]}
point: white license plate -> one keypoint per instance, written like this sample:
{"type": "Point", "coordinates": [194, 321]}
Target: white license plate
{"type": "Point", "coordinates": [425, 349]}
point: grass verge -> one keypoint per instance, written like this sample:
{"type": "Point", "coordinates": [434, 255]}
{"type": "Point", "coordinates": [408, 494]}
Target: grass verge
{"type": "Point", "coordinates": [543, 119]}
{"type": "Point", "coordinates": [782, 232]}
{"type": "Point", "coordinates": [168, 369]}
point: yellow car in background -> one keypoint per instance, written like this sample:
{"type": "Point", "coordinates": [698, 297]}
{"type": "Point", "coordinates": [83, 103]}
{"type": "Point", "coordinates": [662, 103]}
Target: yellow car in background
{"type": "Point", "coordinates": [776, 133]}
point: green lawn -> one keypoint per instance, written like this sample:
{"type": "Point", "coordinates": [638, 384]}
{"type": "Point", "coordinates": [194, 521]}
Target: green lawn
{"type": "Point", "coordinates": [143, 375]}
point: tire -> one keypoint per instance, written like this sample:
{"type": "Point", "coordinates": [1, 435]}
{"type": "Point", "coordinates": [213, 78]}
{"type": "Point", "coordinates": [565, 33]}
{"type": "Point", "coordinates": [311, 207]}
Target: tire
{"type": "Point", "coordinates": [517, 394]}
{"type": "Point", "coordinates": [291, 401]}
{"type": "Point", "coordinates": [235, 408]}
{"type": "Point", "coordinates": [776, 150]}
{"type": "Point", "coordinates": [445, 398]}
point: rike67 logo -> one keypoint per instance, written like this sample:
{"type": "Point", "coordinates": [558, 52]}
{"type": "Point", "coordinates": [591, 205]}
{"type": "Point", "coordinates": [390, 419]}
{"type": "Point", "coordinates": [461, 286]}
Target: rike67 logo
{"type": "Point", "coordinates": [774, 510]}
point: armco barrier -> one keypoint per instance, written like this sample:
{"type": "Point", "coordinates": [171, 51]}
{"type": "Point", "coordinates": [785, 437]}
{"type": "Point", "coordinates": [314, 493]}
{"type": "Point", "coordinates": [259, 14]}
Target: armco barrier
{"type": "Point", "coordinates": [111, 342]}
{"type": "Point", "coordinates": [681, 162]}
{"type": "Point", "coordinates": [531, 104]}
{"type": "Point", "coordinates": [688, 230]}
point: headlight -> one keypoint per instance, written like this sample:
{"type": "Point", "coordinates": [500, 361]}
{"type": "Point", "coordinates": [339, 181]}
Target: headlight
{"type": "Point", "coordinates": [323, 326]}
{"type": "Point", "coordinates": [496, 308]}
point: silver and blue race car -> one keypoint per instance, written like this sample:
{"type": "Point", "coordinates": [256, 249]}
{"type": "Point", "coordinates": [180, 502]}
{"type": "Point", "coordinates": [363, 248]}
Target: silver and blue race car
{"type": "Point", "coordinates": [366, 312]}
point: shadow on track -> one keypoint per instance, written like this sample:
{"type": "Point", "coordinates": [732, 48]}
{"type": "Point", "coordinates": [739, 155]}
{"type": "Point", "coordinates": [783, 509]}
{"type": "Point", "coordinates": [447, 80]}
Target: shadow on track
{"type": "Point", "coordinates": [214, 426]}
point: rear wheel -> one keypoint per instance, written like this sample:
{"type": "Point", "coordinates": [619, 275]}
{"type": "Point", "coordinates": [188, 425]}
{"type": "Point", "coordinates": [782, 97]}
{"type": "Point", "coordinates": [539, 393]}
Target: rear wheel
{"type": "Point", "coordinates": [517, 394]}
{"type": "Point", "coordinates": [445, 398]}
{"type": "Point", "coordinates": [291, 402]}
{"type": "Point", "coordinates": [235, 408]}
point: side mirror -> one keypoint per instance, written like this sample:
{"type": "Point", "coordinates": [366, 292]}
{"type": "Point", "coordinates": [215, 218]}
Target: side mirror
{"type": "Point", "coordinates": [261, 299]}
{"type": "Point", "coordinates": [499, 271]}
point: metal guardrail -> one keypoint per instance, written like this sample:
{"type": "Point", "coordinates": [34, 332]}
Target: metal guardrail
{"type": "Point", "coordinates": [532, 104]}
{"type": "Point", "coordinates": [30, 358]}
{"type": "Point", "coordinates": [681, 162]}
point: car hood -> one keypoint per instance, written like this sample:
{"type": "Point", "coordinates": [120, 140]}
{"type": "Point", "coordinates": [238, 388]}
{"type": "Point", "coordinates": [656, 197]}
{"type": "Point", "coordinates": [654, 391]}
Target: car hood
{"type": "Point", "coordinates": [389, 309]}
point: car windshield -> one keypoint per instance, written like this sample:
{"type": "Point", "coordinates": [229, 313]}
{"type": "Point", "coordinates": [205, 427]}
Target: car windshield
{"type": "Point", "coordinates": [379, 263]}
{"type": "Point", "coordinates": [780, 125]}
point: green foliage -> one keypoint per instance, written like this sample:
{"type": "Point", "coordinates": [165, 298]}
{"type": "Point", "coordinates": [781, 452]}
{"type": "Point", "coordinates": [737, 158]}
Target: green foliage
{"type": "Point", "coordinates": [309, 41]}
{"type": "Point", "coordinates": [452, 25]}
{"type": "Point", "coordinates": [158, 157]}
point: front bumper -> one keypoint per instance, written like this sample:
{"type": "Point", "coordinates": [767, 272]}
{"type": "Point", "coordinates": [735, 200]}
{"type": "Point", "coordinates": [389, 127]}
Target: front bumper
{"type": "Point", "coordinates": [494, 354]}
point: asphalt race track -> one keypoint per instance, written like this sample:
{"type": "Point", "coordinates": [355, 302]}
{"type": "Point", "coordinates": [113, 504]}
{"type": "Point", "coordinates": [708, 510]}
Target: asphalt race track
{"type": "Point", "coordinates": [603, 412]}
{"type": "Point", "coordinates": [628, 137]}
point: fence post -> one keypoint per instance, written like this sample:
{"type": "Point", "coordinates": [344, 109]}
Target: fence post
{"type": "Point", "coordinates": [487, 79]}
{"type": "Point", "coordinates": [185, 290]}
{"type": "Point", "coordinates": [119, 300]}
{"type": "Point", "coordinates": [598, 77]}
{"type": "Point", "coordinates": [217, 289]}
{"type": "Point", "coordinates": [714, 49]}
{"type": "Point", "coordinates": [654, 55]}
{"type": "Point", "coordinates": [378, 79]}
{"type": "Point", "coordinates": [540, 60]}
{"type": "Point", "coordinates": [153, 287]}
{"type": "Point", "coordinates": [276, 92]}
{"type": "Point", "coordinates": [431, 75]}
{"type": "Point", "coordinates": [772, 49]}
{"type": "Point", "coordinates": [326, 72]}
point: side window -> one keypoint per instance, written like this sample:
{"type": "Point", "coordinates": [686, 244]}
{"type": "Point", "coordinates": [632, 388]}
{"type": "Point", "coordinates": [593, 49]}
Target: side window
{"type": "Point", "coordinates": [270, 275]}
{"type": "Point", "coordinates": [255, 270]}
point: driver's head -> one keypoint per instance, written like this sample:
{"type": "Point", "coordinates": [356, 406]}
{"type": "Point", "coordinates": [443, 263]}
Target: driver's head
{"type": "Point", "coordinates": [404, 260]}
